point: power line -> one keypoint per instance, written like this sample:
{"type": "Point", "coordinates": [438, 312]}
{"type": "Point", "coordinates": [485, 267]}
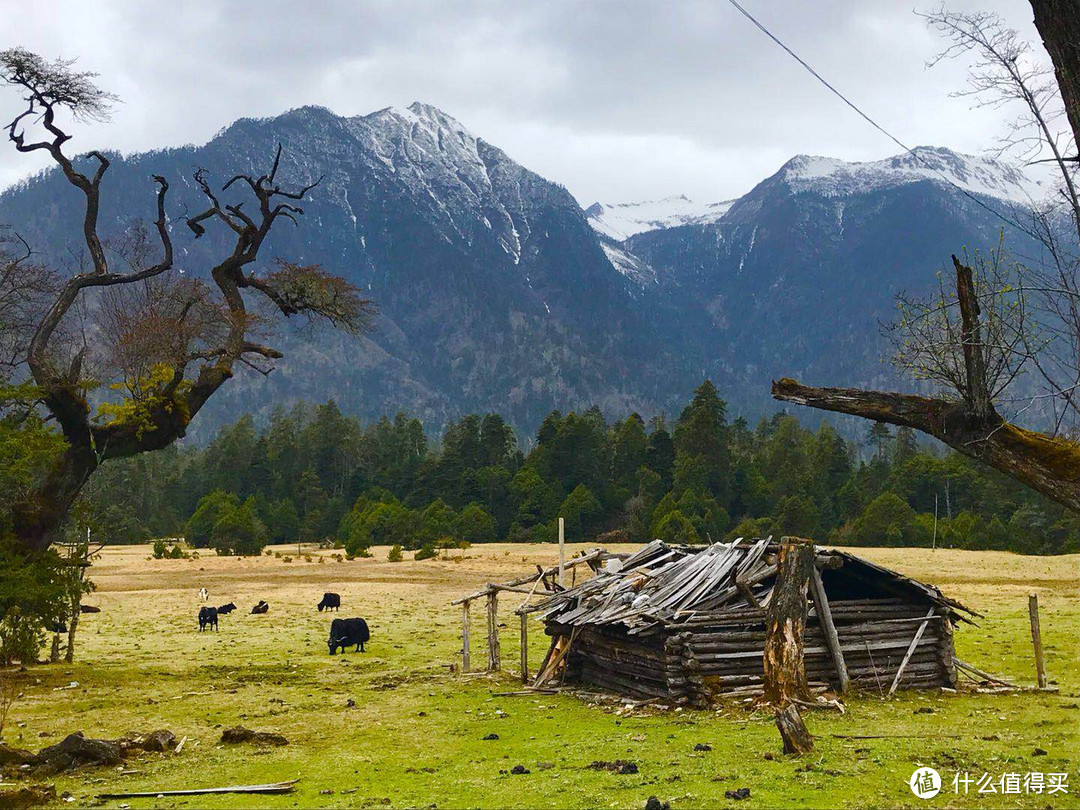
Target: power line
{"type": "Point", "coordinates": [875, 124]}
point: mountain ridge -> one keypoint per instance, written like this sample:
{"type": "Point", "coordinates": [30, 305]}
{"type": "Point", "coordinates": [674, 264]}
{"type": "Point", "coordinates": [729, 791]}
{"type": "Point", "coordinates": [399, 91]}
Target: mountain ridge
{"type": "Point", "coordinates": [498, 292]}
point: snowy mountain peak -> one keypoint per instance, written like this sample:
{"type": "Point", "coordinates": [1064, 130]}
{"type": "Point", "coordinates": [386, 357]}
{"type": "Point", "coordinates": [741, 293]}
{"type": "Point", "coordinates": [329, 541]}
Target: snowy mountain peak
{"type": "Point", "coordinates": [976, 174]}
{"type": "Point", "coordinates": [620, 221]}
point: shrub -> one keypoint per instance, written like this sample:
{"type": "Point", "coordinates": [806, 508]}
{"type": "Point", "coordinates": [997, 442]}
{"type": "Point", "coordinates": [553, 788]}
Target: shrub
{"type": "Point", "coordinates": [21, 637]}
{"type": "Point", "coordinates": [426, 552]}
{"type": "Point", "coordinates": [395, 554]}
{"type": "Point", "coordinates": [160, 549]}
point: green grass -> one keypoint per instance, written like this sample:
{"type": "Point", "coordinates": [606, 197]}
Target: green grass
{"type": "Point", "coordinates": [415, 736]}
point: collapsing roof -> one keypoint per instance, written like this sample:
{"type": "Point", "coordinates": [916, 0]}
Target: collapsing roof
{"type": "Point", "coordinates": [688, 623]}
{"type": "Point", "coordinates": [662, 585]}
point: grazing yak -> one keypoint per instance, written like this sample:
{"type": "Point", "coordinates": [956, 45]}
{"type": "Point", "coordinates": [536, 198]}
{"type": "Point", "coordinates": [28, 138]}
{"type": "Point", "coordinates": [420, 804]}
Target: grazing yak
{"type": "Point", "coordinates": [89, 609]}
{"type": "Point", "coordinates": [347, 632]}
{"type": "Point", "coordinates": [330, 601]}
{"type": "Point", "coordinates": [225, 610]}
{"type": "Point", "coordinates": [207, 618]}
{"type": "Point", "coordinates": [262, 607]}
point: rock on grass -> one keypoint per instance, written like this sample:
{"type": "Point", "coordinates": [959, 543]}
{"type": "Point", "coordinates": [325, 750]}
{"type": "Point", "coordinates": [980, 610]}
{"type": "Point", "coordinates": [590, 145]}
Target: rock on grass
{"type": "Point", "coordinates": [75, 750]}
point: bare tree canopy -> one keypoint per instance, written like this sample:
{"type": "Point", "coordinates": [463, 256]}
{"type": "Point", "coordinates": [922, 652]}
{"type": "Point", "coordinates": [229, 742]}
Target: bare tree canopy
{"type": "Point", "coordinates": [1003, 319]}
{"type": "Point", "coordinates": [167, 341]}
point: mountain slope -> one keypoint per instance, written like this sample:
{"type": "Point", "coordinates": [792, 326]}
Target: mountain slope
{"type": "Point", "coordinates": [798, 276]}
{"type": "Point", "coordinates": [494, 292]}
{"type": "Point", "coordinates": [497, 292]}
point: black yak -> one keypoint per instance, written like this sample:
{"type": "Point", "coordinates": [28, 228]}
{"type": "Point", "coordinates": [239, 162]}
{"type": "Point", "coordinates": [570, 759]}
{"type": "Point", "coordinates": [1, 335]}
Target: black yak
{"type": "Point", "coordinates": [207, 618]}
{"type": "Point", "coordinates": [347, 632]}
{"type": "Point", "coordinates": [262, 607]}
{"type": "Point", "coordinates": [225, 610]}
{"type": "Point", "coordinates": [330, 601]}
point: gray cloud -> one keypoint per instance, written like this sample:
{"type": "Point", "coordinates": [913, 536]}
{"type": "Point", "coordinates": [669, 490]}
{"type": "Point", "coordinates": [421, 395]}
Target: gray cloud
{"type": "Point", "coordinates": [616, 100]}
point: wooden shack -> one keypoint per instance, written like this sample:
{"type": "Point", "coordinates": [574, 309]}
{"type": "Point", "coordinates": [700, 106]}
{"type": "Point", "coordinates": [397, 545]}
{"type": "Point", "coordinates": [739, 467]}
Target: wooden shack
{"type": "Point", "coordinates": [687, 624]}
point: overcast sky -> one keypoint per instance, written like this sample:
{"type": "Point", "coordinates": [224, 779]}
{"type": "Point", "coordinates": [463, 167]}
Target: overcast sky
{"type": "Point", "coordinates": [617, 100]}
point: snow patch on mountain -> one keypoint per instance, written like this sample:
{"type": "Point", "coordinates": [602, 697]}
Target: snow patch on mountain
{"type": "Point", "coordinates": [620, 221]}
{"type": "Point", "coordinates": [628, 264]}
{"type": "Point", "coordinates": [976, 174]}
{"type": "Point", "coordinates": [464, 182]}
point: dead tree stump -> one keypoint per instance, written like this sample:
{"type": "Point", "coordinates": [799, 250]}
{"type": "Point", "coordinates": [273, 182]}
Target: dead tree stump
{"type": "Point", "coordinates": [784, 668]}
{"type": "Point", "coordinates": [797, 738]}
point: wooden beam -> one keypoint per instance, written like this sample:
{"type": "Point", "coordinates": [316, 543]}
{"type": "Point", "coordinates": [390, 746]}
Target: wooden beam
{"type": "Point", "coordinates": [832, 640]}
{"type": "Point", "coordinates": [524, 648]}
{"type": "Point", "coordinates": [588, 557]}
{"type": "Point", "coordinates": [464, 636]}
{"type": "Point", "coordinates": [1036, 638]}
{"type": "Point", "coordinates": [494, 657]}
{"type": "Point", "coordinates": [910, 651]}
{"type": "Point", "coordinates": [562, 552]}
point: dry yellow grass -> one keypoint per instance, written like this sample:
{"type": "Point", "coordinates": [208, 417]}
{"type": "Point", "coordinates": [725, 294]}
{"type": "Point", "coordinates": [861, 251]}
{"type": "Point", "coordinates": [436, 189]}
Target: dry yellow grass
{"type": "Point", "coordinates": [414, 737]}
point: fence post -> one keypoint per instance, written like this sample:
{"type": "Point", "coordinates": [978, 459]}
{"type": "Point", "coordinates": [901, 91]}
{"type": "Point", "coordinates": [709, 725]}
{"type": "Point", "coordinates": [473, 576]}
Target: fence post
{"type": "Point", "coordinates": [524, 648]}
{"type": "Point", "coordinates": [1036, 638]}
{"type": "Point", "coordinates": [465, 636]}
{"type": "Point", "coordinates": [494, 662]}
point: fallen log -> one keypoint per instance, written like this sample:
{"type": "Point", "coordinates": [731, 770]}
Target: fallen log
{"type": "Point", "coordinates": [273, 787]}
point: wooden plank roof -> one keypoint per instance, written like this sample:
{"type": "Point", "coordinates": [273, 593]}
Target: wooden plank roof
{"type": "Point", "coordinates": [661, 585]}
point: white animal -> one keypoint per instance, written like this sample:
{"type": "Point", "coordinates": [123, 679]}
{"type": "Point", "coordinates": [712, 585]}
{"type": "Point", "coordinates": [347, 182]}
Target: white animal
{"type": "Point", "coordinates": [205, 594]}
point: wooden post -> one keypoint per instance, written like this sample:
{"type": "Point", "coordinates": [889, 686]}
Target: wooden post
{"type": "Point", "coordinates": [465, 636]}
{"type": "Point", "coordinates": [524, 648]}
{"type": "Point", "coordinates": [824, 614]}
{"type": "Point", "coordinates": [784, 668]}
{"type": "Point", "coordinates": [910, 651]}
{"type": "Point", "coordinates": [1036, 638]}
{"type": "Point", "coordinates": [494, 662]}
{"type": "Point", "coordinates": [562, 552]}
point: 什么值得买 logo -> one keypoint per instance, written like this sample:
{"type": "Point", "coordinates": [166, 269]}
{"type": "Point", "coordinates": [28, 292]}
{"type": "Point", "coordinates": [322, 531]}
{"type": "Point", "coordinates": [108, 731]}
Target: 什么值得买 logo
{"type": "Point", "coordinates": [925, 783]}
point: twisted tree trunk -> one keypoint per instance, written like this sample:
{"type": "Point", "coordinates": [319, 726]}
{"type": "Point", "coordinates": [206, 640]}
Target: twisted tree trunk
{"type": "Point", "coordinates": [971, 425]}
{"type": "Point", "coordinates": [1058, 22]}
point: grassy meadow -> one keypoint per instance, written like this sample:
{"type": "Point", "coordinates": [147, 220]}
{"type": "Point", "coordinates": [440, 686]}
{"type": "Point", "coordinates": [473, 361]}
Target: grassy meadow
{"type": "Point", "coordinates": [415, 736]}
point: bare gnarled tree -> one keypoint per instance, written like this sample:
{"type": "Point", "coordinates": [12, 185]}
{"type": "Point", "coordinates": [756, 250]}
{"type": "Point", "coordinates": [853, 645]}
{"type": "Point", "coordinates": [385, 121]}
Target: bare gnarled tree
{"type": "Point", "coordinates": [169, 341]}
{"type": "Point", "coordinates": [998, 323]}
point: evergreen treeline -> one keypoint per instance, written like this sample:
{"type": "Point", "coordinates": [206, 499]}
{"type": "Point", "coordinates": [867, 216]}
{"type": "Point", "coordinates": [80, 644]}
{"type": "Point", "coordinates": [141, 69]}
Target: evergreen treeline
{"type": "Point", "coordinates": [315, 475]}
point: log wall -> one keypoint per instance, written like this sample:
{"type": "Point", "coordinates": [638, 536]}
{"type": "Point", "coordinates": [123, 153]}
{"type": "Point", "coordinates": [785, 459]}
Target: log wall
{"type": "Point", "coordinates": [712, 656]}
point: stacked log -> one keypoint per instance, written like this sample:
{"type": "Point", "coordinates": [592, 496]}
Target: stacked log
{"type": "Point", "coordinates": [613, 661]}
{"type": "Point", "coordinates": [726, 658]}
